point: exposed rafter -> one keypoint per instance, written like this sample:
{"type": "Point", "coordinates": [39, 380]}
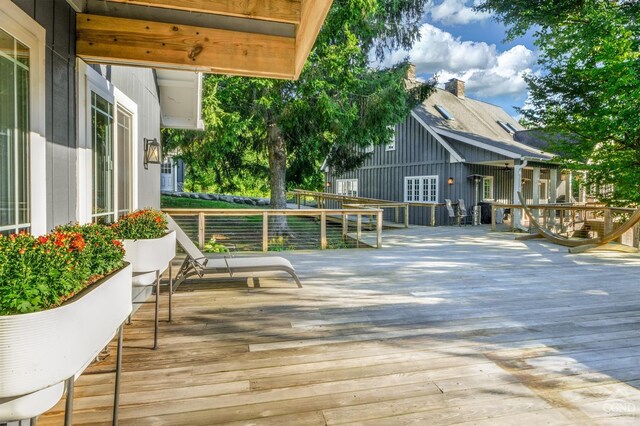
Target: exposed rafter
{"type": "Point", "coordinates": [268, 10]}
{"type": "Point", "coordinates": [268, 38]}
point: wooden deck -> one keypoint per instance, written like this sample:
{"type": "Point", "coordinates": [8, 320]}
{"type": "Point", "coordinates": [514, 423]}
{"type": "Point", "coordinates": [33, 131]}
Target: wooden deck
{"type": "Point", "coordinates": [442, 326]}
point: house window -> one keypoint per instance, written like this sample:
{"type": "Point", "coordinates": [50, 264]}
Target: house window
{"type": "Point", "coordinates": [544, 190]}
{"type": "Point", "coordinates": [421, 189]}
{"type": "Point", "coordinates": [369, 148]}
{"type": "Point", "coordinates": [125, 161]}
{"type": "Point", "coordinates": [166, 167]}
{"type": "Point", "coordinates": [15, 212]}
{"type": "Point", "coordinates": [391, 144]}
{"type": "Point", "coordinates": [487, 188]}
{"type": "Point", "coordinates": [348, 187]}
{"type": "Point", "coordinates": [103, 159]}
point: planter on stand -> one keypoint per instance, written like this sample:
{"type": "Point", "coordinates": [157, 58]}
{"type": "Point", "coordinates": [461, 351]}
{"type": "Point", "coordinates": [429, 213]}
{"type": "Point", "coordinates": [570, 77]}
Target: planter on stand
{"type": "Point", "coordinates": [40, 351]}
{"type": "Point", "coordinates": [149, 258]}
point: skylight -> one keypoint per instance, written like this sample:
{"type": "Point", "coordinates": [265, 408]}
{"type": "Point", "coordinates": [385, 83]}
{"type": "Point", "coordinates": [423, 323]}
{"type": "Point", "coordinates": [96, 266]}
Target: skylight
{"type": "Point", "coordinates": [513, 129]}
{"type": "Point", "coordinates": [507, 128]}
{"type": "Point", "coordinates": [443, 111]}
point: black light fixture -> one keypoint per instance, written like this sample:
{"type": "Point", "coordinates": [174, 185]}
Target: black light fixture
{"type": "Point", "coordinates": [151, 152]}
{"type": "Point", "coordinates": [450, 181]}
{"type": "Point", "coordinates": [328, 184]}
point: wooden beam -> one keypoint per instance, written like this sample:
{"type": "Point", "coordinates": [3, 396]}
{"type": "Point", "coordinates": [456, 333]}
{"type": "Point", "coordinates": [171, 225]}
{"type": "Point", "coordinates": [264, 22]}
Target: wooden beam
{"type": "Point", "coordinates": [288, 11]}
{"type": "Point", "coordinates": [134, 42]}
{"type": "Point", "coordinates": [313, 14]}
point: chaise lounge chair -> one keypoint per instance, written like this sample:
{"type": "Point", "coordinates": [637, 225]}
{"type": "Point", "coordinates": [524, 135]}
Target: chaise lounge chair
{"type": "Point", "coordinates": [198, 264]}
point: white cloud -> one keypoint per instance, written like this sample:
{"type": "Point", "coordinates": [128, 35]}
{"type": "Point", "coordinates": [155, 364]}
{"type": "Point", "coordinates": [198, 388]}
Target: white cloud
{"type": "Point", "coordinates": [486, 71]}
{"type": "Point", "coordinates": [455, 12]}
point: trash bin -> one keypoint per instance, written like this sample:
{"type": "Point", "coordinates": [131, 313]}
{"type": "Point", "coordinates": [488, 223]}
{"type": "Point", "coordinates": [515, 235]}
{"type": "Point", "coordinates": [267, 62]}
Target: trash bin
{"type": "Point", "coordinates": [485, 213]}
{"type": "Point", "coordinates": [475, 216]}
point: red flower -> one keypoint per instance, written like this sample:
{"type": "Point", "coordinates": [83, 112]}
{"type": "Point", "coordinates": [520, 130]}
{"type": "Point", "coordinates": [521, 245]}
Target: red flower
{"type": "Point", "coordinates": [22, 250]}
{"type": "Point", "coordinates": [43, 239]}
{"type": "Point", "coordinates": [117, 243]}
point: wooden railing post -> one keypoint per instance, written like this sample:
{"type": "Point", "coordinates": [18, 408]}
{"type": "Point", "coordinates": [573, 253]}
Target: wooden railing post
{"type": "Point", "coordinates": [397, 215]}
{"type": "Point", "coordinates": [493, 217]}
{"type": "Point", "coordinates": [265, 232]}
{"type": "Point", "coordinates": [433, 215]}
{"type": "Point", "coordinates": [379, 230]}
{"type": "Point", "coordinates": [608, 221]}
{"type": "Point", "coordinates": [298, 200]}
{"type": "Point", "coordinates": [323, 230]}
{"type": "Point", "coordinates": [345, 225]}
{"type": "Point", "coordinates": [406, 215]}
{"type": "Point", "coordinates": [358, 228]}
{"type": "Point", "coordinates": [636, 236]}
{"type": "Point", "coordinates": [201, 225]}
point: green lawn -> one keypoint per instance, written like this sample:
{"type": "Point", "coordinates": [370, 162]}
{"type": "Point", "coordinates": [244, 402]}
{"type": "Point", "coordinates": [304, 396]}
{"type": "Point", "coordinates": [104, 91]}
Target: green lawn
{"type": "Point", "coordinates": [168, 202]}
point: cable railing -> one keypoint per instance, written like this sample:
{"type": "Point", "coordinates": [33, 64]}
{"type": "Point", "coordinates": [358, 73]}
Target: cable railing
{"type": "Point", "coordinates": [393, 212]}
{"type": "Point", "coordinates": [215, 230]}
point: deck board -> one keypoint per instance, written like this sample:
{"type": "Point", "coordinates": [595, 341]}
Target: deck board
{"type": "Point", "coordinates": [441, 326]}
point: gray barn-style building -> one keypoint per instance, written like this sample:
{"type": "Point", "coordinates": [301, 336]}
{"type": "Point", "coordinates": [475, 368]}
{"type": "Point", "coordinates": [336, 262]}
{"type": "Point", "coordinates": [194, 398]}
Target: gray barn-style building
{"type": "Point", "coordinates": [454, 147]}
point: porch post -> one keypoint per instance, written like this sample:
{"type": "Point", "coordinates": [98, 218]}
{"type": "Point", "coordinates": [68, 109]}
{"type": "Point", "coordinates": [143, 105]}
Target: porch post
{"type": "Point", "coordinates": [517, 187]}
{"type": "Point", "coordinates": [553, 193]}
{"type": "Point", "coordinates": [568, 187]}
{"type": "Point", "coordinates": [536, 191]}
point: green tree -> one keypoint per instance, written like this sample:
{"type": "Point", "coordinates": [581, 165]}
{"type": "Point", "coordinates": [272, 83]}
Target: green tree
{"type": "Point", "coordinates": [339, 104]}
{"type": "Point", "coordinates": [588, 94]}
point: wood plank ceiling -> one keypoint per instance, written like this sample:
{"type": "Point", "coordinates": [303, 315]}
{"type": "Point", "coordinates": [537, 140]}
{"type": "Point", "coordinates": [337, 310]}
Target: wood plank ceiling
{"type": "Point", "coordinates": [256, 38]}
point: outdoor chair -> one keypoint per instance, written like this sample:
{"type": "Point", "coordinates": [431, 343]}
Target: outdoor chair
{"type": "Point", "coordinates": [463, 215]}
{"type": "Point", "coordinates": [197, 264]}
{"type": "Point", "coordinates": [453, 217]}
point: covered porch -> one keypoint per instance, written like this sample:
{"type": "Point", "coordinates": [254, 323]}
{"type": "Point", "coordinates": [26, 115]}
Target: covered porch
{"type": "Point", "coordinates": [443, 325]}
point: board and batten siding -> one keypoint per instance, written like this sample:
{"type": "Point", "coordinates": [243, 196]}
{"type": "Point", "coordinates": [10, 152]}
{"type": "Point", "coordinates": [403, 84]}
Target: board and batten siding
{"type": "Point", "coordinates": [59, 21]}
{"type": "Point", "coordinates": [417, 153]}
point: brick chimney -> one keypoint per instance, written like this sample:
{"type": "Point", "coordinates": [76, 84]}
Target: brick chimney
{"type": "Point", "coordinates": [456, 87]}
{"type": "Point", "coordinates": [411, 73]}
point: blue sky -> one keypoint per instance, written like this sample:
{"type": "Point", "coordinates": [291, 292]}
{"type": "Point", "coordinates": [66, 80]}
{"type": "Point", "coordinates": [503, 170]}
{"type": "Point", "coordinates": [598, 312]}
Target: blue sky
{"type": "Point", "coordinates": [457, 42]}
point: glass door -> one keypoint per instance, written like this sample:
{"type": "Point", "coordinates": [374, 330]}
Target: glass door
{"type": "Point", "coordinates": [103, 157]}
{"type": "Point", "coordinates": [14, 135]}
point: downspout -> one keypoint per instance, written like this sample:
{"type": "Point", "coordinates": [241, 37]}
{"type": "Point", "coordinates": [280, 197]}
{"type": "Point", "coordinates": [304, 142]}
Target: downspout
{"type": "Point", "coordinates": [517, 187]}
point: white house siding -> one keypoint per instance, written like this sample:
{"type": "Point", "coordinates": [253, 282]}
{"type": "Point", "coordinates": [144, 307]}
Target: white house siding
{"type": "Point", "coordinates": [140, 86]}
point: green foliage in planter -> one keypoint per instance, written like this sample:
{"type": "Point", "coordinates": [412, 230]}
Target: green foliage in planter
{"type": "Point", "coordinates": [41, 273]}
{"type": "Point", "coordinates": [141, 225]}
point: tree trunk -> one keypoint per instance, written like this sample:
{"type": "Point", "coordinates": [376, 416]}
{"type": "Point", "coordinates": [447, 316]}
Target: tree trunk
{"type": "Point", "coordinates": [277, 171]}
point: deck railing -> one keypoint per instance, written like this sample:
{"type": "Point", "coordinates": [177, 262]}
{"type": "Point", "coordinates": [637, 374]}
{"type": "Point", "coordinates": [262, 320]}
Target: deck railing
{"type": "Point", "coordinates": [563, 218]}
{"type": "Point", "coordinates": [399, 210]}
{"type": "Point", "coordinates": [287, 229]}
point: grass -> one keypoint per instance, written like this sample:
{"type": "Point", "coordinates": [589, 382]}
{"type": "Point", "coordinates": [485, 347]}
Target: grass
{"type": "Point", "coordinates": [168, 202]}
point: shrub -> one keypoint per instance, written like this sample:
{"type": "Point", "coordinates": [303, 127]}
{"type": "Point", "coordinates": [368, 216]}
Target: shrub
{"type": "Point", "coordinates": [41, 273]}
{"type": "Point", "coordinates": [212, 246]}
{"type": "Point", "coordinates": [141, 225]}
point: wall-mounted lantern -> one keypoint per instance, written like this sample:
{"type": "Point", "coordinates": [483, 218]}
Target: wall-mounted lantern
{"type": "Point", "coordinates": [450, 181]}
{"type": "Point", "coordinates": [328, 184]}
{"type": "Point", "coordinates": [152, 153]}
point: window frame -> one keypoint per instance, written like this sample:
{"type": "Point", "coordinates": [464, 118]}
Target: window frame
{"type": "Point", "coordinates": [23, 28]}
{"type": "Point", "coordinates": [391, 143]}
{"type": "Point", "coordinates": [90, 81]}
{"type": "Point", "coordinates": [349, 182]}
{"type": "Point", "coordinates": [433, 182]}
{"type": "Point", "coordinates": [492, 195]}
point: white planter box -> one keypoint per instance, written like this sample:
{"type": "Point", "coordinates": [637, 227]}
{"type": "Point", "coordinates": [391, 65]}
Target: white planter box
{"type": "Point", "coordinates": [148, 256]}
{"type": "Point", "coordinates": [40, 350]}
